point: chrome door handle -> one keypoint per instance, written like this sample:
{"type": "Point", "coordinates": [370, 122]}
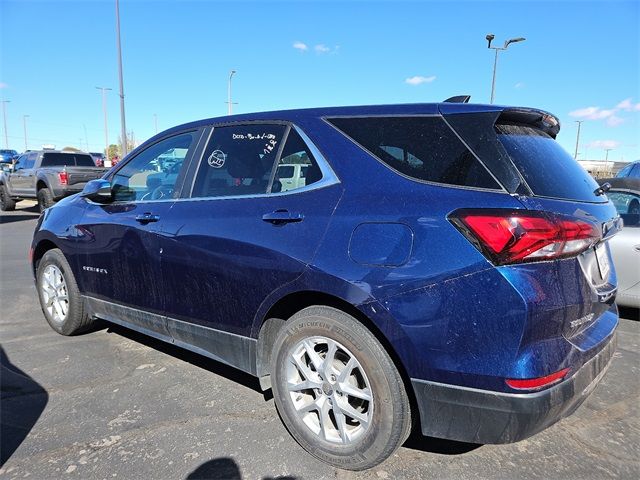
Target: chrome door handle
{"type": "Point", "coordinates": [147, 218]}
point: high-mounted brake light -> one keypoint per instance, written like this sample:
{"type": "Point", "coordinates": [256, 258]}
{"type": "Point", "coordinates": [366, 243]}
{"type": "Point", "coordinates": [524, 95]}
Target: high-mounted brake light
{"type": "Point", "coordinates": [536, 383]}
{"type": "Point", "coordinates": [63, 177]}
{"type": "Point", "coordinates": [507, 236]}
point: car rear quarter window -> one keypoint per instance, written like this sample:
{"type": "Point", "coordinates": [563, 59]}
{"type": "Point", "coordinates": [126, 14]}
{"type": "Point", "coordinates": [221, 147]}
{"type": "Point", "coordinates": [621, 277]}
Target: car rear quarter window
{"type": "Point", "coordinates": [422, 148]}
{"type": "Point", "coordinates": [55, 159]}
{"type": "Point", "coordinates": [547, 168]}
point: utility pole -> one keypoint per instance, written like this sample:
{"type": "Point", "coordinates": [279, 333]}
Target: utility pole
{"type": "Point", "coordinates": [229, 102]}
{"type": "Point", "coordinates": [104, 113]}
{"type": "Point", "coordinates": [4, 116]}
{"type": "Point", "coordinates": [155, 122]}
{"type": "Point", "coordinates": [607, 150]}
{"type": "Point", "coordinates": [490, 38]}
{"type": "Point", "coordinates": [24, 125]}
{"type": "Point", "coordinates": [123, 126]}
{"type": "Point", "coordinates": [579, 122]}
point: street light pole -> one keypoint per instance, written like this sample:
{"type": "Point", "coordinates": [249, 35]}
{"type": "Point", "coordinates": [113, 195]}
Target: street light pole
{"type": "Point", "coordinates": [4, 116]}
{"type": "Point", "coordinates": [104, 113]}
{"type": "Point", "coordinates": [490, 38]}
{"type": "Point", "coordinates": [123, 126]}
{"type": "Point", "coordinates": [155, 122]}
{"type": "Point", "coordinates": [579, 122]}
{"type": "Point", "coordinates": [229, 103]}
{"type": "Point", "coordinates": [24, 125]}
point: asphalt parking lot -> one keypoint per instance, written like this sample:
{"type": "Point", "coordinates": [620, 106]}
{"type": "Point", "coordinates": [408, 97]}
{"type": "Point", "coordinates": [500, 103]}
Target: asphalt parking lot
{"type": "Point", "coordinates": [114, 404]}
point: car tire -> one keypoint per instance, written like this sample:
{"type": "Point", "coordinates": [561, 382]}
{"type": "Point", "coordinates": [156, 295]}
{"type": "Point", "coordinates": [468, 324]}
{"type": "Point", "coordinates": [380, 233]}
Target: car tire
{"type": "Point", "coordinates": [60, 299]}
{"type": "Point", "coordinates": [7, 204]}
{"type": "Point", "coordinates": [359, 415]}
{"type": "Point", "coordinates": [45, 199]}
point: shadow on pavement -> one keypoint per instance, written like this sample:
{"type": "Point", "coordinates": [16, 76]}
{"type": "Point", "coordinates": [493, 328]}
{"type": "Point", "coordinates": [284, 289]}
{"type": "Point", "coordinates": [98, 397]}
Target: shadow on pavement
{"type": "Point", "coordinates": [223, 468]}
{"type": "Point", "coordinates": [195, 359]}
{"type": "Point", "coordinates": [23, 401]}
{"type": "Point", "coordinates": [17, 218]}
{"type": "Point", "coordinates": [630, 313]}
{"type": "Point", "coordinates": [417, 441]}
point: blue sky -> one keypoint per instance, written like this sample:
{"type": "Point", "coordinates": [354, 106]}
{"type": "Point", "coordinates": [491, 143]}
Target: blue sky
{"type": "Point", "coordinates": [580, 61]}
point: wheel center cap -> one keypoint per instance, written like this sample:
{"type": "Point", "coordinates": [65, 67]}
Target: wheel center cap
{"type": "Point", "coordinates": [327, 389]}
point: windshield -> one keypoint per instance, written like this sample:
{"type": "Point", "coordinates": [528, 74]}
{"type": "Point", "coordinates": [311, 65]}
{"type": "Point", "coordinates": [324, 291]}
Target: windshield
{"type": "Point", "coordinates": [67, 159]}
{"type": "Point", "coordinates": [546, 167]}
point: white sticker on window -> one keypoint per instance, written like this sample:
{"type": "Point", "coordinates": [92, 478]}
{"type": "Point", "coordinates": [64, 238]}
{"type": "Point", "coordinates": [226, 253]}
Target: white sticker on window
{"type": "Point", "coordinates": [217, 159]}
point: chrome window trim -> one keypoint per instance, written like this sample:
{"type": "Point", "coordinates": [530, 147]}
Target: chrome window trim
{"type": "Point", "coordinates": [328, 179]}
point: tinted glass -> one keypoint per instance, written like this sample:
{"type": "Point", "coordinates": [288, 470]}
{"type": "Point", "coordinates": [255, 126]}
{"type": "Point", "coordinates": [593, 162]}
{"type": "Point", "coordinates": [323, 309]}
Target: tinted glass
{"type": "Point", "coordinates": [423, 148]}
{"type": "Point", "coordinates": [297, 167]}
{"type": "Point", "coordinates": [635, 172]}
{"type": "Point", "coordinates": [625, 171]}
{"type": "Point", "coordinates": [152, 174]}
{"type": "Point", "coordinates": [546, 167]}
{"type": "Point", "coordinates": [55, 159]}
{"type": "Point", "coordinates": [238, 160]}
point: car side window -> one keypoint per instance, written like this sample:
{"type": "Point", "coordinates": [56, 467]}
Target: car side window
{"type": "Point", "coordinates": [297, 168]}
{"type": "Point", "coordinates": [20, 162]}
{"type": "Point", "coordinates": [30, 160]}
{"type": "Point", "coordinates": [635, 171]}
{"type": "Point", "coordinates": [238, 160]}
{"type": "Point", "coordinates": [152, 174]}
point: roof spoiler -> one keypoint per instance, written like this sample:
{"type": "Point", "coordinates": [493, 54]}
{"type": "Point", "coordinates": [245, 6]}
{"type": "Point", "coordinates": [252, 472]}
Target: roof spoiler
{"type": "Point", "coordinates": [536, 118]}
{"type": "Point", "coordinates": [458, 99]}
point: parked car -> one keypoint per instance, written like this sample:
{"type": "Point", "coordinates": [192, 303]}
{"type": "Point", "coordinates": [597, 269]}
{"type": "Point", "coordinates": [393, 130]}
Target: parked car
{"type": "Point", "coordinates": [98, 158]}
{"type": "Point", "coordinates": [624, 192]}
{"type": "Point", "coordinates": [46, 175]}
{"type": "Point", "coordinates": [7, 156]}
{"type": "Point", "coordinates": [632, 170]}
{"type": "Point", "coordinates": [444, 263]}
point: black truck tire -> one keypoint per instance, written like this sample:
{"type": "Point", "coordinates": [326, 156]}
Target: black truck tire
{"type": "Point", "coordinates": [45, 199]}
{"type": "Point", "coordinates": [7, 203]}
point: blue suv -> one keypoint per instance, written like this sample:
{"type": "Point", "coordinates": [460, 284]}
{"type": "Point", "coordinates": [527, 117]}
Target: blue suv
{"type": "Point", "coordinates": [444, 265]}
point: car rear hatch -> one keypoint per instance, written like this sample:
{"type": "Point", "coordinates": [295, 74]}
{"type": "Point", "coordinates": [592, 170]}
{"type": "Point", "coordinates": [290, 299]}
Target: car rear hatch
{"type": "Point", "coordinates": [518, 146]}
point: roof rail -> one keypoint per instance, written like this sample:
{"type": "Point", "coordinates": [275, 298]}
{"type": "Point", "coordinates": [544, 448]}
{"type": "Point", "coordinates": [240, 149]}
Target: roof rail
{"type": "Point", "coordinates": [458, 99]}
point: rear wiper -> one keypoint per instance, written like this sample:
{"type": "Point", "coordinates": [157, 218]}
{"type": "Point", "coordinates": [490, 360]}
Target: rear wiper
{"type": "Point", "coordinates": [602, 189]}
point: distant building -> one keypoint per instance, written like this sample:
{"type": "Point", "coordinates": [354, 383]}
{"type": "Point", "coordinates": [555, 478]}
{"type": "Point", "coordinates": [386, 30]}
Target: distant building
{"type": "Point", "coordinates": [602, 169]}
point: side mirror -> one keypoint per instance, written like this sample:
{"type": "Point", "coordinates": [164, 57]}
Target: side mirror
{"type": "Point", "coordinates": [98, 190]}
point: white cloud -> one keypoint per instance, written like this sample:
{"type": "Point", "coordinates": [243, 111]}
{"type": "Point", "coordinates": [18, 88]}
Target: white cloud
{"type": "Point", "coordinates": [592, 113]}
{"type": "Point", "coordinates": [603, 144]}
{"type": "Point", "coordinates": [519, 85]}
{"type": "Point", "coordinates": [609, 115]}
{"type": "Point", "coordinates": [418, 79]}
{"type": "Point", "coordinates": [3, 85]}
{"type": "Point", "coordinates": [614, 121]}
{"type": "Point", "coordinates": [321, 48]}
{"type": "Point", "coordinates": [625, 104]}
{"type": "Point", "coordinates": [300, 46]}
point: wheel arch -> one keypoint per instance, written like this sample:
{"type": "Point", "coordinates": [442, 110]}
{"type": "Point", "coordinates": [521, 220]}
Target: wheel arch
{"type": "Point", "coordinates": [42, 247]}
{"type": "Point", "coordinates": [40, 184]}
{"type": "Point", "coordinates": [284, 308]}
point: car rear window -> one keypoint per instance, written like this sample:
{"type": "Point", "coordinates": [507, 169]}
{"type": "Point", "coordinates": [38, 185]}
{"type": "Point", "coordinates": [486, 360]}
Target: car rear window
{"type": "Point", "coordinates": [67, 159]}
{"type": "Point", "coordinates": [546, 167]}
{"type": "Point", "coordinates": [423, 148]}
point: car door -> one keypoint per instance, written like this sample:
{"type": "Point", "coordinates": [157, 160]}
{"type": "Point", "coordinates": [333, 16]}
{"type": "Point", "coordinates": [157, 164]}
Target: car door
{"type": "Point", "coordinates": [240, 235]}
{"type": "Point", "coordinates": [120, 260]}
{"type": "Point", "coordinates": [22, 176]}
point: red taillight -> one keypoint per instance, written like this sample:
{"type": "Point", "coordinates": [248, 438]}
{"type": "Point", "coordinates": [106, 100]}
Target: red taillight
{"type": "Point", "coordinates": [514, 236]}
{"type": "Point", "coordinates": [536, 383]}
{"type": "Point", "coordinates": [63, 177]}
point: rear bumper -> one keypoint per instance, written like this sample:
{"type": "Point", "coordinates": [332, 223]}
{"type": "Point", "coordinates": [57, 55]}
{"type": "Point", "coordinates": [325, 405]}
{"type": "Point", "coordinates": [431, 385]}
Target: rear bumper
{"type": "Point", "coordinates": [483, 416]}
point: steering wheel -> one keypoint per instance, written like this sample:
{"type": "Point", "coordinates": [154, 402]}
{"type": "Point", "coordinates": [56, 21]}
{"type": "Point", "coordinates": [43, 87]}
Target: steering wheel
{"type": "Point", "coordinates": [159, 193]}
{"type": "Point", "coordinates": [162, 192]}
